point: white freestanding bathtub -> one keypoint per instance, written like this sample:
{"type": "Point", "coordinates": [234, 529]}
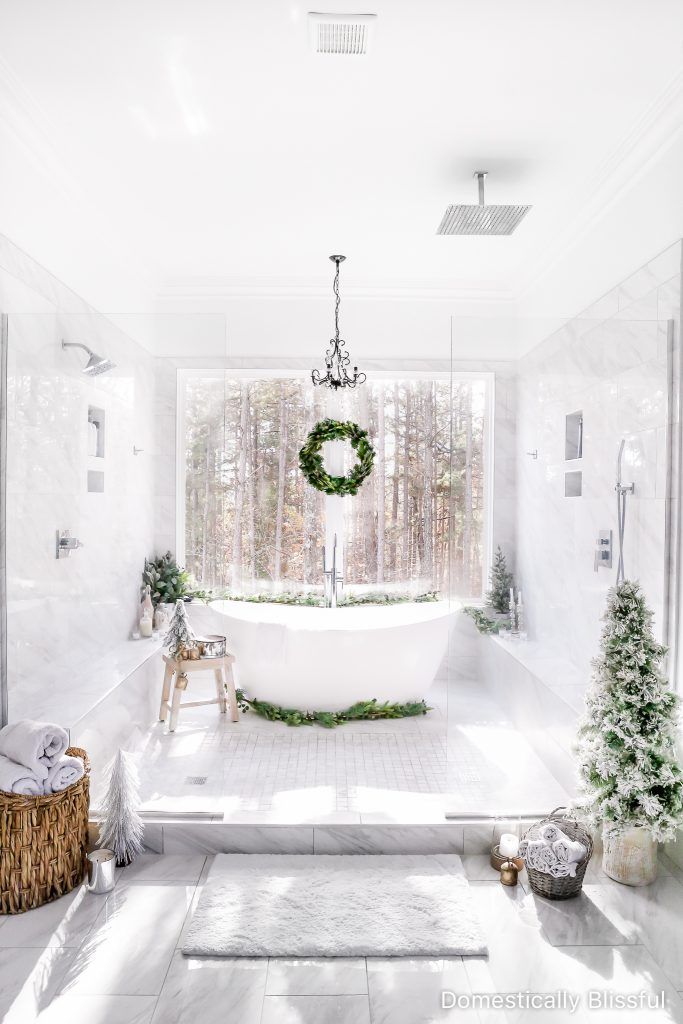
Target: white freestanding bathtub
{"type": "Point", "coordinates": [326, 659]}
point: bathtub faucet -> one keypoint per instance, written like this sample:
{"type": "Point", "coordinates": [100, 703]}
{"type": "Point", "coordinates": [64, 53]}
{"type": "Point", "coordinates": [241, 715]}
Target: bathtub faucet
{"type": "Point", "coordinates": [332, 579]}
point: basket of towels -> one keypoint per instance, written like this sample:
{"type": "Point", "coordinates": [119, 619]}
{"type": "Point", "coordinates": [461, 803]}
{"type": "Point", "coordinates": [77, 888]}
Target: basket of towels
{"type": "Point", "coordinates": [556, 852]}
{"type": "Point", "coordinates": [44, 800]}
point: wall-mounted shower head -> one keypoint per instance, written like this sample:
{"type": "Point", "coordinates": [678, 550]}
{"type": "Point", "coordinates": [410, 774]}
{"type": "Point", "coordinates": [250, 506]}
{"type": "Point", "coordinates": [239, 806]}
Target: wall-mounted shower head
{"type": "Point", "coordinates": [96, 364]}
{"type": "Point", "coordinates": [481, 219]}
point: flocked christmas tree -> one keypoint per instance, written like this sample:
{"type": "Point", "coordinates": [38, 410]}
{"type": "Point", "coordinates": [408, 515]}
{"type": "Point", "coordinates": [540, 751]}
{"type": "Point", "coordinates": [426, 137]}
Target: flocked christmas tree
{"type": "Point", "coordinates": [498, 596]}
{"type": "Point", "coordinates": [180, 635]}
{"type": "Point", "coordinates": [121, 828]}
{"type": "Point", "coordinates": [628, 765]}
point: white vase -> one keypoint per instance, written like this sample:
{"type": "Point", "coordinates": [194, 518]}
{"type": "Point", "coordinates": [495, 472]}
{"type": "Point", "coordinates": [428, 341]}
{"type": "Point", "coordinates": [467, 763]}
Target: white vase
{"type": "Point", "coordinates": [629, 856]}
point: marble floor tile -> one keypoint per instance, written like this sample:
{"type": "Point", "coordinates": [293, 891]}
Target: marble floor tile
{"type": "Point", "coordinates": [129, 948]}
{"type": "Point", "coordinates": [316, 1010]}
{"type": "Point", "coordinates": [511, 926]}
{"type": "Point", "coordinates": [331, 976]}
{"type": "Point", "coordinates": [212, 990]}
{"type": "Point", "coordinates": [152, 867]}
{"type": "Point", "coordinates": [409, 990]}
{"type": "Point", "coordinates": [657, 913]}
{"type": "Point", "coordinates": [99, 1010]}
{"type": "Point", "coordinates": [29, 980]}
{"type": "Point", "coordinates": [612, 970]}
{"type": "Point", "coordinates": [597, 916]}
{"type": "Point", "coordinates": [63, 922]}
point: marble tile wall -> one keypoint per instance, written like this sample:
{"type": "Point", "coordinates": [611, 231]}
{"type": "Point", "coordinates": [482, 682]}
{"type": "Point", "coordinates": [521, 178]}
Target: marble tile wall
{"type": "Point", "coordinates": [610, 362]}
{"type": "Point", "coordinates": [65, 615]}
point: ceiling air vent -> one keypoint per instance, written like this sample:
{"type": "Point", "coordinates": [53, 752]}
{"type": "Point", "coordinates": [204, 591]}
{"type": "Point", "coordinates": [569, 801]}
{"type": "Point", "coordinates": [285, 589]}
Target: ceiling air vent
{"type": "Point", "coordinates": [348, 34]}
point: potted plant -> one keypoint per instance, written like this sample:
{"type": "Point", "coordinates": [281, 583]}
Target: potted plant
{"type": "Point", "coordinates": [168, 582]}
{"type": "Point", "coordinates": [630, 777]}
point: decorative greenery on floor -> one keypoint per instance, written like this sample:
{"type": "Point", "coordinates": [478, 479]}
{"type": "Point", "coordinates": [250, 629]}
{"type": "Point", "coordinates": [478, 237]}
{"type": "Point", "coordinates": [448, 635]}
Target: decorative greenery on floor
{"type": "Point", "coordinates": [311, 462]}
{"type": "Point", "coordinates": [349, 601]}
{"type": "Point", "coordinates": [481, 620]}
{"type": "Point", "coordinates": [363, 710]}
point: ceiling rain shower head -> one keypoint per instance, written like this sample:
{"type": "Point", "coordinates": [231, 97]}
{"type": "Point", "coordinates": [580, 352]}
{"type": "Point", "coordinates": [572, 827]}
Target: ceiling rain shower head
{"type": "Point", "coordinates": [96, 364]}
{"type": "Point", "coordinates": [481, 219]}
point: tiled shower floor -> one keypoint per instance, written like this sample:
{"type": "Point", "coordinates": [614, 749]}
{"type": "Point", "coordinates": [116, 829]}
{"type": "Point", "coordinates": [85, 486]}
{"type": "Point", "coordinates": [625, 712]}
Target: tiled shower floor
{"type": "Point", "coordinates": [463, 757]}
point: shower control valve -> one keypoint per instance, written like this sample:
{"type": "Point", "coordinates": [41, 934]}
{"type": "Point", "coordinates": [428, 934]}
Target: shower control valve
{"type": "Point", "coordinates": [603, 550]}
{"type": "Point", "coordinates": [66, 543]}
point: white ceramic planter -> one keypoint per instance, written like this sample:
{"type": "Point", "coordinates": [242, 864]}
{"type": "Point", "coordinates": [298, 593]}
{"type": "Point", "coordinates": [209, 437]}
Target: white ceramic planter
{"type": "Point", "coordinates": [630, 856]}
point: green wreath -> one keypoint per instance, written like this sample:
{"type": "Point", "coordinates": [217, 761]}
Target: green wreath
{"type": "Point", "coordinates": [311, 462]}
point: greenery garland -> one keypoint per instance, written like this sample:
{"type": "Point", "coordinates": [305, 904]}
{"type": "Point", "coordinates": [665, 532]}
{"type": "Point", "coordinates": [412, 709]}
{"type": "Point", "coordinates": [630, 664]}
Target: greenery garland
{"type": "Point", "coordinates": [311, 462]}
{"type": "Point", "coordinates": [364, 709]}
{"type": "Point", "coordinates": [484, 624]}
{"type": "Point", "coordinates": [346, 601]}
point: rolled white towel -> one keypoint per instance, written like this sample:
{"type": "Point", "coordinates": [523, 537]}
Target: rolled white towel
{"type": "Point", "coordinates": [17, 778]}
{"type": "Point", "coordinates": [529, 850]}
{"type": "Point", "coordinates": [546, 858]}
{"type": "Point", "coordinates": [550, 833]}
{"type": "Point", "coordinates": [560, 870]}
{"type": "Point", "coordinates": [569, 850]}
{"type": "Point", "coordinates": [36, 745]}
{"type": "Point", "coordinates": [63, 774]}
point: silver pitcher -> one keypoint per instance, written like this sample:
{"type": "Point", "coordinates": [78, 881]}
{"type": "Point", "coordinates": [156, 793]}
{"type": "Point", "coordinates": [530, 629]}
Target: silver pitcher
{"type": "Point", "coordinates": [101, 865]}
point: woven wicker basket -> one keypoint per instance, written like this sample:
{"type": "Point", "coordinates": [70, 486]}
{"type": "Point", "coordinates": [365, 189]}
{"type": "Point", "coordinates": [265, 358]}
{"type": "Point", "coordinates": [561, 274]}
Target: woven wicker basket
{"type": "Point", "coordinates": [43, 844]}
{"type": "Point", "coordinates": [559, 888]}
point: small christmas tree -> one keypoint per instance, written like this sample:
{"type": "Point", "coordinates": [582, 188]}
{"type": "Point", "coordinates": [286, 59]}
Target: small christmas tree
{"type": "Point", "coordinates": [498, 596]}
{"type": "Point", "coordinates": [180, 635]}
{"type": "Point", "coordinates": [121, 828]}
{"type": "Point", "coordinates": [629, 771]}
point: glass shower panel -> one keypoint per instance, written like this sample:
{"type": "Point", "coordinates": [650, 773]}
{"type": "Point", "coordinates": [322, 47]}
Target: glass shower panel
{"type": "Point", "coordinates": [516, 687]}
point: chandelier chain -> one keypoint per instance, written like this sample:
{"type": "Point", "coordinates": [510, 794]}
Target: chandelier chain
{"type": "Point", "coordinates": [337, 303]}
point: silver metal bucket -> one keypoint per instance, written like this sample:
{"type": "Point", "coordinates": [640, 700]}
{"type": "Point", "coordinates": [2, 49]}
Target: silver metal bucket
{"type": "Point", "coordinates": [101, 864]}
{"type": "Point", "coordinates": [213, 646]}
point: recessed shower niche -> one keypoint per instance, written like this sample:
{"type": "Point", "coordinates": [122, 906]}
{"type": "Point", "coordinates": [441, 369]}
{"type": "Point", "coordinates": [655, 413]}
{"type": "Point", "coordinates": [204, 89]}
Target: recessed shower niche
{"type": "Point", "coordinates": [573, 436]}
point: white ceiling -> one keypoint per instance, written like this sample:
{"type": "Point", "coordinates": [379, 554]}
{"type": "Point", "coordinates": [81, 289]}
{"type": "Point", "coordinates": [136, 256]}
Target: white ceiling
{"type": "Point", "coordinates": [216, 151]}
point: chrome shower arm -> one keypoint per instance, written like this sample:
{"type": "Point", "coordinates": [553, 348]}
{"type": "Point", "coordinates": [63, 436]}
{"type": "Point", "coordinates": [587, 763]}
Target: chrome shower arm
{"type": "Point", "coordinates": [76, 344]}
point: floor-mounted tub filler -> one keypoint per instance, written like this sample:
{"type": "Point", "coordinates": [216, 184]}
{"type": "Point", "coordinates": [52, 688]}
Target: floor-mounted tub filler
{"type": "Point", "coordinates": [331, 658]}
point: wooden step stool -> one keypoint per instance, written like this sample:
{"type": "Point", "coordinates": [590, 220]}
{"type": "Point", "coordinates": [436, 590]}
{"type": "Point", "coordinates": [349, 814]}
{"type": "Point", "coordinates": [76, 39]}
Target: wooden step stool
{"type": "Point", "coordinates": [225, 684]}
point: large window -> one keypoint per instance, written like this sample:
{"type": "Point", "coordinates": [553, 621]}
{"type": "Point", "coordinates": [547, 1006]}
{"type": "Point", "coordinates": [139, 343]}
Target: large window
{"type": "Point", "coordinates": [251, 522]}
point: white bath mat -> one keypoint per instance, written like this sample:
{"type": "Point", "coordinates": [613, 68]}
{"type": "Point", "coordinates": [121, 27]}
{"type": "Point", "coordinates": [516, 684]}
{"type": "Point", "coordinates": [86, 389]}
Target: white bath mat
{"type": "Point", "coordinates": [292, 905]}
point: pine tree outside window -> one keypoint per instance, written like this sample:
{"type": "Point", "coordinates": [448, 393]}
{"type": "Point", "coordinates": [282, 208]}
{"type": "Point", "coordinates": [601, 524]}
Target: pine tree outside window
{"type": "Point", "coordinates": [250, 522]}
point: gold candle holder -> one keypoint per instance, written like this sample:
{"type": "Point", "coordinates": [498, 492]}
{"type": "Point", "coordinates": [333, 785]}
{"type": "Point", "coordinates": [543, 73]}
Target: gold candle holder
{"type": "Point", "coordinates": [509, 873]}
{"type": "Point", "coordinates": [497, 859]}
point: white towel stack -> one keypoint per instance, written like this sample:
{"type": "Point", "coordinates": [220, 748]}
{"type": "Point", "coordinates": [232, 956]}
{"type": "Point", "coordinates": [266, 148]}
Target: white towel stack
{"type": "Point", "coordinates": [554, 853]}
{"type": "Point", "coordinates": [32, 759]}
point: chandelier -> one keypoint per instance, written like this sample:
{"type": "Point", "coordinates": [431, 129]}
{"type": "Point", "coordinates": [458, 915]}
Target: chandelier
{"type": "Point", "coordinates": [336, 359]}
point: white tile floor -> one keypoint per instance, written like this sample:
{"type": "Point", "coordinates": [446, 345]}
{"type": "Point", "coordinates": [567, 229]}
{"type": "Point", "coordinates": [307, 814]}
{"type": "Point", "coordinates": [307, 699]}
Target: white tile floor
{"type": "Point", "coordinates": [464, 756]}
{"type": "Point", "coordinates": [116, 959]}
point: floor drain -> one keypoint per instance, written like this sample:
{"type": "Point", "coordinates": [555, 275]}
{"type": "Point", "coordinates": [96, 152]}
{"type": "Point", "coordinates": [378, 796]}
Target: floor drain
{"type": "Point", "coordinates": [195, 780]}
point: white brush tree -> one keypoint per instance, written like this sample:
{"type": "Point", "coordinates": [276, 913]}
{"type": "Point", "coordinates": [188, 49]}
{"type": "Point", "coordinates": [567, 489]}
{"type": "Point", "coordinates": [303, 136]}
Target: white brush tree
{"type": "Point", "coordinates": [628, 762]}
{"type": "Point", "coordinates": [180, 635]}
{"type": "Point", "coordinates": [121, 827]}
